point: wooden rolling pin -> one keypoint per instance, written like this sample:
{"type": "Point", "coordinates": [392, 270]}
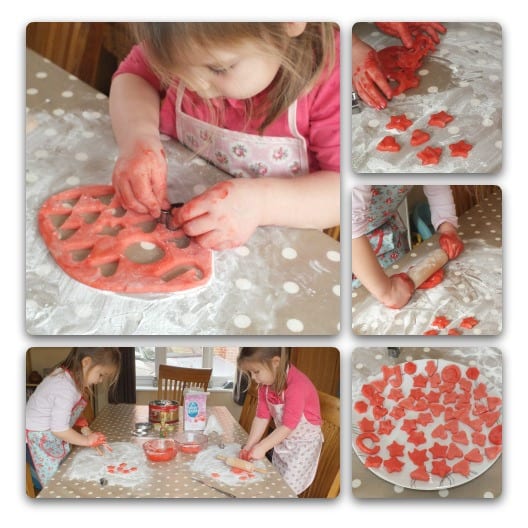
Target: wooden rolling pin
{"type": "Point", "coordinates": [240, 464]}
{"type": "Point", "coordinates": [421, 271]}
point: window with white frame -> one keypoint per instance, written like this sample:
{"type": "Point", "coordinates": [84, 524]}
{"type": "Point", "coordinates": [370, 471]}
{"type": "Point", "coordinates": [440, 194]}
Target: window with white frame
{"type": "Point", "coordinates": [221, 359]}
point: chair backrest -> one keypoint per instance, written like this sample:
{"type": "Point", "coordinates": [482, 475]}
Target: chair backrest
{"type": "Point", "coordinates": [250, 407]}
{"type": "Point", "coordinates": [173, 380]}
{"type": "Point", "coordinates": [327, 479]}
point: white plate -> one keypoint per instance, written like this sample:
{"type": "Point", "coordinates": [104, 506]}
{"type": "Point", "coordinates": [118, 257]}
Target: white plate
{"type": "Point", "coordinates": [403, 478]}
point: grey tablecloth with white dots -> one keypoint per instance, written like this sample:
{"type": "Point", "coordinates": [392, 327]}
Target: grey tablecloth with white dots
{"type": "Point", "coordinates": [281, 282]}
{"type": "Point", "coordinates": [462, 77]}
{"type": "Point", "coordinates": [367, 362]}
{"type": "Point", "coordinates": [472, 285]}
{"type": "Point", "coordinates": [167, 480]}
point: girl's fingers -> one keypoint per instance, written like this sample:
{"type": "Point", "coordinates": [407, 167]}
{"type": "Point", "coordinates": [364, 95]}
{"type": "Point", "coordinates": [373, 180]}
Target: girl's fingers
{"type": "Point", "coordinates": [198, 226]}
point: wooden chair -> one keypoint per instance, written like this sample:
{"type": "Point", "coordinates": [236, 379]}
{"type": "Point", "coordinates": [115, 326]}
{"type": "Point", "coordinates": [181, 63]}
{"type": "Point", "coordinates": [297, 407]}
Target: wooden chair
{"type": "Point", "coordinates": [250, 407]}
{"type": "Point", "coordinates": [327, 479]}
{"type": "Point", "coordinates": [30, 488]}
{"type": "Point", "coordinates": [334, 232]}
{"type": "Point", "coordinates": [173, 380]}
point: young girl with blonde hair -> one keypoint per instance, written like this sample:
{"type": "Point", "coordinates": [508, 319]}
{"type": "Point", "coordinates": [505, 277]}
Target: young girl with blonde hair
{"type": "Point", "coordinates": [258, 100]}
{"type": "Point", "coordinates": [54, 410]}
{"type": "Point", "coordinates": [290, 398]}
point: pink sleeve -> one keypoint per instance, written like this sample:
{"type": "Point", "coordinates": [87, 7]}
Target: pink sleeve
{"type": "Point", "coordinates": [441, 204]}
{"type": "Point", "coordinates": [294, 404]}
{"type": "Point", "coordinates": [324, 134]}
{"type": "Point", "coordinates": [361, 198]}
{"type": "Point", "coordinates": [136, 63]}
{"type": "Point", "coordinates": [262, 406]}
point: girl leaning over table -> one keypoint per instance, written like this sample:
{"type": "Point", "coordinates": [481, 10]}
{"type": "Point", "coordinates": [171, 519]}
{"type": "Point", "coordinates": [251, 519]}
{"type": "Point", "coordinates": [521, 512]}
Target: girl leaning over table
{"type": "Point", "coordinates": [287, 396]}
{"type": "Point", "coordinates": [54, 419]}
{"type": "Point", "coordinates": [258, 100]}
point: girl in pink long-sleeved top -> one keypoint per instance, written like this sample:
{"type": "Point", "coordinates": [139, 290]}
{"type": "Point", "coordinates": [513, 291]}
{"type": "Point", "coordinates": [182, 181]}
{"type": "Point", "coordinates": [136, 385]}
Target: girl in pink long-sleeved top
{"type": "Point", "coordinates": [54, 418]}
{"type": "Point", "coordinates": [379, 238]}
{"type": "Point", "coordinates": [290, 398]}
{"type": "Point", "coordinates": [258, 100]}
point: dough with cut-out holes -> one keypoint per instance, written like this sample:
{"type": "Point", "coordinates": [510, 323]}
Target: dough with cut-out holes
{"type": "Point", "coordinates": [97, 242]}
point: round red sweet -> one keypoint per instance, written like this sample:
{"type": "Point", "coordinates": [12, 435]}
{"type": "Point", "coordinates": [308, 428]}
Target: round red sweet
{"type": "Point", "coordinates": [451, 374]}
{"type": "Point", "coordinates": [495, 435]}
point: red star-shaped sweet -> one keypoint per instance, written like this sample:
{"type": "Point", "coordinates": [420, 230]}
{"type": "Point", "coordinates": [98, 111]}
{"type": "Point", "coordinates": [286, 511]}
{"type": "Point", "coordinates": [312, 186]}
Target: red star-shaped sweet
{"type": "Point", "coordinates": [397, 412]}
{"type": "Point", "coordinates": [460, 149]}
{"type": "Point", "coordinates": [395, 449]}
{"type": "Point", "coordinates": [420, 381]}
{"type": "Point", "coordinates": [379, 412]}
{"type": "Point", "coordinates": [408, 426]}
{"type": "Point", "coordinates": [460, 438]}
{"type": "Point", "coordinates": [417, 393]}
{"type": "Point", "coordinates": [438, 450]}
{"type": "Point", "coordinates": [433, 396]}
{"type": "Point", "coordinates": [395, 394]}
{"type": "Point", "coordinates": [440, 468]}
{"type": "Point", "coordinates": [425, 418]}
{"type": "Point", "coordinates": [430, 155]}
{"type": "Point", "coordinates": [480, 391]}
{"type": "Point", "coordinates": [431, 366]}
{"type": "Point", "coordinates": [441, 119]}
{"type": "Point", "coordinates": [419, 137]}
{"type": "Point", "coordinates": [452, 425]}
{"type": "Point", "coordinates": [393, 465]}
{"type": "Point", "coordinates": [388, 144]}
{"type": "Point", "coordinates": [478, 438]}
{"type": "Point", "coordinates": [493, 402]}
{"type": "Point", "coordinates": [399, 122]}
{"type": "Point", "coordinates": [366, 425]}
{"type": "Point", "coordinates": [490, 418]}
{"type": "Point", "coordinates": [420, 473]}
{"type": "Point", "coordinates": [469, 322]}
{"type": "Point", "coordinates": [385, 427]}
{"type": "Point", "coordinates": [418, 456]}
{"type": "Point", "coordinates": [436, 409]}
{"type": "Point", "coordinates": [373, 461]}
{"type": "Point", "coordinates": [454, 331]}
{"type": "Point", "coordinates": [441, 322]}
{"type": "Point", "coordinates": [465, 384]}
{"type": "Point", "coordinates": [417, 438]}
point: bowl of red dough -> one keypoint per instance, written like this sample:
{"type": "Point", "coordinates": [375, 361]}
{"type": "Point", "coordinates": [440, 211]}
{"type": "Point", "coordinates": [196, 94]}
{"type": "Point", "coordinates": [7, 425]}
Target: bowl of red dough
{"type": "Point", "coordinates": [160, 449]}
{"type": "Point", "coordinates": [190, 442]}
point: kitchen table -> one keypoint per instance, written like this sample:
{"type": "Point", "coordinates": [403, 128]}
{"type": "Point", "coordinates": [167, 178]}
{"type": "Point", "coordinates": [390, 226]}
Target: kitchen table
{"type": "Point", "coordinates": [462, 77]}
{"type": "Point", "coordinates": [171, 479]}
{"type": "Point", "coordinates": [472, 285]}
{"type": "Point", "coordinates": [367, 362]}
{"type": "Point", "coordinates": [282, 281]}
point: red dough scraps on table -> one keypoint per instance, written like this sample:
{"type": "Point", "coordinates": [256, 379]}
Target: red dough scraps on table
{"type": "Point", "coordinates": [441, 119]}
{"type": "Point", "coordinates": [399, 122]}
{"type": "Point", "coordinates": [388, 144]}
{"type": "Point", "coordinates": [440, 321]}
{"type": "Point", "coordinates": [444, 423]}
{"type": "Point", "coordinates": [460, 149]}
{"type": "Point", "coordinates": [419, 137]}
{"type": "Point", "coordinates": [90, 236]}
{"type": "Point", "coordinates": [430, 155]}
{"type": "Point", "coordinates": [431, 332]}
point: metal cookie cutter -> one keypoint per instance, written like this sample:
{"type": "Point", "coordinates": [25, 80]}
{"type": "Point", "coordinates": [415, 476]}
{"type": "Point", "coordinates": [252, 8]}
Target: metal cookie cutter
{"type": "Point", "coordinates": [166, 217]}
{"type": "Point", "coordinates": [355, 103]}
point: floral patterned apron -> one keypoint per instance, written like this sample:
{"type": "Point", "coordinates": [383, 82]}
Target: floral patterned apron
{"type": "Point", "coordinates": [47, 450]}
{"type": "Point", "coordinates": [386, 233]}
{"type": "Point", "coordinates": [297, 456]}
{"type": "Point", "coordinates": [240, 154]}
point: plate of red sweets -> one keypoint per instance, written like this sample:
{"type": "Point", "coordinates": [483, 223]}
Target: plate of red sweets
{"type": "Point", "coordinates": [427, 424]}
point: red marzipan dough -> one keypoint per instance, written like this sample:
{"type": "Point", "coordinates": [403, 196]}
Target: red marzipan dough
{"type": "Point", "coordinates": [434, 280]}
{"type": "Point", "coordinates": [399, 122]}
{"type": "Point", "coordinates": [419, 137]}
{"type": "Point", "coordinates": [89, 213]}
{"type": "Point", "coordinates": [430, 155]}
{"type": "Point", "coordinates": [447, 447]}
{"type": "Point", "coordinates": [441, 119]}
{"type": "Point", "coordinates": [460, 149]}
{"type": "Point", "coordinates": [388, 144]}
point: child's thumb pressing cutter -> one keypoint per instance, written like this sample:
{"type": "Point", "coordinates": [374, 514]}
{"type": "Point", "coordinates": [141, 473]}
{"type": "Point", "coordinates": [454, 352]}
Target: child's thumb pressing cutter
{"type": "Point", "coordinates": [423, 269]}
{"type": "Point", "coordinates": [166, 217]}
{"type": "Point", "coordinates": [241, 464]}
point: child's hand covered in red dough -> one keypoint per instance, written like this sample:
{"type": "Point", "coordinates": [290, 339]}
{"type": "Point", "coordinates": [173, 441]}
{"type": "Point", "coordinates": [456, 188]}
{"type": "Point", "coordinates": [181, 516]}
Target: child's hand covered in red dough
{"type": "Point", "coordinates": [140, 180]}
{"type": "Point", "coordinates": [368, 78]}
{"type": "Point", "coordinates": [405, 30]}
{"type": "Point", "coordinates": [222, 217]}
{"type": "Point", "coordinates": [450, 241]}
{"type": "Point", "coordinates": [96, 439]}
{"type": "Point", "coordinates": [401, 290]}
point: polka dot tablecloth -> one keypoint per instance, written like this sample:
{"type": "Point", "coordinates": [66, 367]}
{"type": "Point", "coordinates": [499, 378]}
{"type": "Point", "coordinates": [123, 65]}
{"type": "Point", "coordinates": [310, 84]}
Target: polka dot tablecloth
{"type": "Point", "coordinates": [472, 285]}
{"type": "Point", "coordinates": [367, 362]}
{"type": "Point", "coordinates": [463, 77]}
{"type": "Point", "coordinates": [170, 480]}
{"type": "Point", "coordinates": [282, 282]}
